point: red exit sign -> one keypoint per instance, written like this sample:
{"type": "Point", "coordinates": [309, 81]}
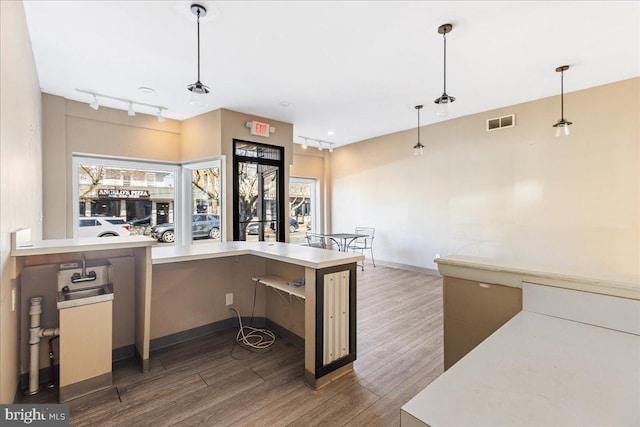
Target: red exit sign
{"type": "Point", "coordinates": [260, 129]}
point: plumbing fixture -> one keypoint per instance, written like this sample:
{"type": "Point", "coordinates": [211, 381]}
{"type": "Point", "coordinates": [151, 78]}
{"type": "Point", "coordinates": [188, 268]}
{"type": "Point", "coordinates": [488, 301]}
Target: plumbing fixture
{"type": "Point", "coordinates": [35, 333]}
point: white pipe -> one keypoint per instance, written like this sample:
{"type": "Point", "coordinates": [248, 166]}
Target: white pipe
{"type": "Point", "coordinates": [35, 333]}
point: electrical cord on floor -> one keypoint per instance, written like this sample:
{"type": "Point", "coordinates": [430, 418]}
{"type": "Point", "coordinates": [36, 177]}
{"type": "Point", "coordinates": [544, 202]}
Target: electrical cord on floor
{"type": "Point", "coordinates": [253, 338]}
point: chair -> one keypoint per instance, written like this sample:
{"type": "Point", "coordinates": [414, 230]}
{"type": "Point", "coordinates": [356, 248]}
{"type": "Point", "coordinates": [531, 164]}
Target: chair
{"type": "Point", "coordinates": [315, 240]}
{"type": "Point", "coordinates": [363, 243]}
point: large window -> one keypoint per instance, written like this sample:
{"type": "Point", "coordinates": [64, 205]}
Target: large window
{"type": "Point", "coordinates": [174, 203]}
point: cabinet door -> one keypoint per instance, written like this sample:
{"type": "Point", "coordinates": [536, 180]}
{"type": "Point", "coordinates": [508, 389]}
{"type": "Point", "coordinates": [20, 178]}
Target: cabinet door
{"type": "Point", "coordinates": [473, 311]}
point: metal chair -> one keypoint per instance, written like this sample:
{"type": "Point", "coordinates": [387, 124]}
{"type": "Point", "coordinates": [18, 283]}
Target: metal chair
{"type": "Point", "coordinates": [363, 243]}
{"type": "Point", "coordinates": [316, 240]}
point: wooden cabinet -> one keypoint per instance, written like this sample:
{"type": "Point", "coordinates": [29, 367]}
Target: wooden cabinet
{"type": "Point", "coordinates": [473, 311]}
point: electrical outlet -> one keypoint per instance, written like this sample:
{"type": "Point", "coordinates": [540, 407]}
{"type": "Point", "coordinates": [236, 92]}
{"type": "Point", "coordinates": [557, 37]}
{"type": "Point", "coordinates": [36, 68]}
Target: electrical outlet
{"type": "Point", "coordinates": [437, 256]}
{"type": "Point", "coordinates": [229, 299]}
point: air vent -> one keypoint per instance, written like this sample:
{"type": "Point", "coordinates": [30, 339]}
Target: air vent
{"type": "Point", "coordinates": [501, 122]}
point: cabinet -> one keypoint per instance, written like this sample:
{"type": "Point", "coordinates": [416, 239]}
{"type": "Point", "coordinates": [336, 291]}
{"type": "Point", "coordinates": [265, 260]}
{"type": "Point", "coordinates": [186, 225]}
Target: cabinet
{"type": "Point", "coordinates": [472, 311]}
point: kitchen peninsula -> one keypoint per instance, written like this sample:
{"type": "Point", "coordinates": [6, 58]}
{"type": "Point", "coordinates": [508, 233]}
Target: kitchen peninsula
{"type": "Point", "coordinates": [182, 293]}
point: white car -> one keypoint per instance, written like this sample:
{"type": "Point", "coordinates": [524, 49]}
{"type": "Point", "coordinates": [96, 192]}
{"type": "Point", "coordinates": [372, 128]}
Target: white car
{"type": "Point", "coordinates": [102, 226]}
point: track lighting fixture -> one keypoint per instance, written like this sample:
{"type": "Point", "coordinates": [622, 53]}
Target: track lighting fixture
{"type": "Point", "coordinates": [198, 89]}
{"type": "Point", "coordinates": [318, 143]}
{"type": "Point", "coordinates": [95, 104]}
{"type": "Point", "coordinates": [562, 123]}
{"type": "Point", "coordinates": [418, 148]}
{"type": "Point", "coordinates": [443, 103]}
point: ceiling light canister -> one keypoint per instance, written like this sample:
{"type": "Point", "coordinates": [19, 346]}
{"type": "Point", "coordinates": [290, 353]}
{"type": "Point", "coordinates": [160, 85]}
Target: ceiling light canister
{"type": "Point", "coordinates": [562, 126]}
{"type": "Point", "coordinates": [443, 102]}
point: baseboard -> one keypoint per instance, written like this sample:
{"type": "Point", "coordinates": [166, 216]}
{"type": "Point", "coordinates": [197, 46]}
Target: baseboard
{"type": "Point", "coordinates": [201, 331]}
{"type": "Point", "coordinates": [294, 339]}
{"type": "Point", "coordinates": [407, 267]}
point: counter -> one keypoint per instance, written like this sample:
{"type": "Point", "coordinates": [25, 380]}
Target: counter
{"type": "Point", "coordinates": [299, 255]}
{"type": "Point", "coordinates": [537, 370]}
{"type": "Point", "coordinates": [512, 273]}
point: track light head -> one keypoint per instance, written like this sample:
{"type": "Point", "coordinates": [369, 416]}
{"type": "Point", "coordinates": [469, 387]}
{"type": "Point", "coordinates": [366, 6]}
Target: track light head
{"type": "Point", "coordinates": [131, 111]}
{"type": "Point", "coordinates": [95, 104]}
{"type": "Point", "coordinates": [160, 116]}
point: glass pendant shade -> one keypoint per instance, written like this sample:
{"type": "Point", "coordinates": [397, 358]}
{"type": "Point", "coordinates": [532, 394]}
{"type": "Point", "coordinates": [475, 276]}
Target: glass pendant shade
{"type": "Point", "coordinates": [199, 93]}
{"type": "Point", "coordinates": [443, 105]}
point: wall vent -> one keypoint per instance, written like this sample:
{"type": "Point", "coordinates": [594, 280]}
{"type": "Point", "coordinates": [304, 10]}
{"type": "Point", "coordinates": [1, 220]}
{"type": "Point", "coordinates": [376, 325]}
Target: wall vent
{"type": "Point", "coordinates": [501, 122]}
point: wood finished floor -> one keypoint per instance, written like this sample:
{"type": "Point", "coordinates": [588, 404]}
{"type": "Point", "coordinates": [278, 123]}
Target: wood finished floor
{"type": "Point", "coordinates": [212, 382]}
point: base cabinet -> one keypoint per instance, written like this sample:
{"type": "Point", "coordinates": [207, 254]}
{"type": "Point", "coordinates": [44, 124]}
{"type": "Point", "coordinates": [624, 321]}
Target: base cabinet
{"type": "Point", "coordinates": [473, 311]}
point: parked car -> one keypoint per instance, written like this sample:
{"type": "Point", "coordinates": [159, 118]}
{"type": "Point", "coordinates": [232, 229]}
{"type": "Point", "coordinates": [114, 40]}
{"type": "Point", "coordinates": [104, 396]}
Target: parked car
{"type": "Point", "coordinates": [202, 225]}
{"type": "Point", "coordinates": [253, 227]}
{"type": "Point", "coordinates": [141, 221]}
{"type": "Point", "coordinates": [102, 226]}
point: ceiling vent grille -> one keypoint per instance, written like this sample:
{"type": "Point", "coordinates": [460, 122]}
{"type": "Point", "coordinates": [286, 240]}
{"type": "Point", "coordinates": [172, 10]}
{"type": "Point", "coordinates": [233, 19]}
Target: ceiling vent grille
{"type": "Point", "coordinates": [501, 122]}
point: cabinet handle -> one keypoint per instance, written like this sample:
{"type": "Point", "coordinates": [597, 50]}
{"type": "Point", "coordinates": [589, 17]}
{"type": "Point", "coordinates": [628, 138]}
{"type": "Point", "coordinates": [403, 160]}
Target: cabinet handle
{"type": "Point", "coordinates": [484, 285]}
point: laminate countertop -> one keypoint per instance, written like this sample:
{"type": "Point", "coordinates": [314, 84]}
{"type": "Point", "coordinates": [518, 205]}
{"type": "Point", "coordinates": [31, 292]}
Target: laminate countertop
{"type": "Point", "coordinates": [511, 273]}
{"type": "Point", "coordinates": [295, 254]}
{"type": "Point", "coordinates": [82, 244]}
{"type": "Point", "coordinates": [537, 370]}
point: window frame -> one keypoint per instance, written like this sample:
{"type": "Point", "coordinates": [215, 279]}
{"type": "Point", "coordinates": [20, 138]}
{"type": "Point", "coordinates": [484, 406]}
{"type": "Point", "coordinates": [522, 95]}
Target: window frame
{"type": "Point", "coordinates": [182, 187]}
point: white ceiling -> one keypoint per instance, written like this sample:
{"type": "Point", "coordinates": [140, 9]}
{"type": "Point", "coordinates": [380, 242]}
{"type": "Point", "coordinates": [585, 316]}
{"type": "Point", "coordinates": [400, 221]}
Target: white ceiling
{"type": "Point", "coordinates": [356, 68]}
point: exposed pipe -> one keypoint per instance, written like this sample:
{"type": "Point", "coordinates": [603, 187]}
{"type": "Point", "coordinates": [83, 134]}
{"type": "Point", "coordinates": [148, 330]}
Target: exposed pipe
{"type": "Point", "coordinates": [35, 333]}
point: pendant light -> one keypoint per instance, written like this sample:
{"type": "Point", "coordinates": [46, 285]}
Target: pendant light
{"type": "Point", "coordinates": [418, 148]}
{"type": "Point", "coordinates": [563, 124]}
{"type": "Point", "coordinates": [443, 103]}
{"type": "Point", "coordinates": [198, 90]}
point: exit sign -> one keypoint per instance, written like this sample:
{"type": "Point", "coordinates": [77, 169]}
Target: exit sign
{"type": "Point", "coordinates": [260, 129]}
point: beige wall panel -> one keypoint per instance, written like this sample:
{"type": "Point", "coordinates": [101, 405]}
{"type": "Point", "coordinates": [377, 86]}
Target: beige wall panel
{"type": "Point", "coordinates": [99, 137]}
{"type": "Point", "coordinates": [55, 167]}
{"type": "Point", "coordinates": [201, 136]}
{"type": "Point", "coordinates": [516, 194]}
{"type": "Point", "coordinates": [20, 171]}
{"type": "Point", "coordinates": [186, 295]}
{"type": "Point", "coordinates": [286, 312]}
{"type": "Point", "coordinates": [233, 127]}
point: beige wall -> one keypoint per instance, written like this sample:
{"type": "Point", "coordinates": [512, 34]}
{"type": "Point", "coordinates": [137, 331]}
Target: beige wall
{"type": "Point", "coordinates": [517, 193]}
{"type": "Point", "coordinates": [311, 163]}
{"type": "Point", "coordinates": [20, 170]}
{"type": "Point", "coordinates": [233, 127]}
{"type": "Point", "coordinates": [72, 127]}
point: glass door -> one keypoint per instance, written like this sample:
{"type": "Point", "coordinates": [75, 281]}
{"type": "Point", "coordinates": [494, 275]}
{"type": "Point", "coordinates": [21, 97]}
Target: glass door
{"type": "Point", "coordinates": [258, 192]}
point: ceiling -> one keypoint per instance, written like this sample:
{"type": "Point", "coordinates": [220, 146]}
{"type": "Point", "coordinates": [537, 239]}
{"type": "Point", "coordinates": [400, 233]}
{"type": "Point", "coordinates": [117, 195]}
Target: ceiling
{"type": "Point", "coordinates": [355, 68]}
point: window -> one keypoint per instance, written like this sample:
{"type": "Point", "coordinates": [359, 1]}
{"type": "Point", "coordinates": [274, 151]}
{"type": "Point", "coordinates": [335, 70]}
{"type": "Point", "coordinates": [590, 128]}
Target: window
{"type": "Point", "coordinates": [147, 196]}
{"type": "Point", "coordinates": [303, 208]}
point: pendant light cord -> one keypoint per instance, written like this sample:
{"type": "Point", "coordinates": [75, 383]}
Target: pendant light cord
{"type": "Point", "coordinates": [418, 126]}
{"type": "Point", "coordinates": [444, 36]}
{"type": "Point", "coordinates": [198, 44]}
{"type": "Point", "coordinates": [562, 95]}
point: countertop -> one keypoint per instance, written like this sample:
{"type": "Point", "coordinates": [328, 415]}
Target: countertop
{"type": "Point", "coordinates": [83, 244]}
{"type": "Point", "coordinates": [537, 370]}
{"type": "Point", "coordinates": [511, 273]}
{"type": "Point", "coordinates": [279, 251]}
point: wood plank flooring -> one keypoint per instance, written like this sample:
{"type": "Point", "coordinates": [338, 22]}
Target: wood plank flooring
{"type": "Point", "coordinates": [213, 382]}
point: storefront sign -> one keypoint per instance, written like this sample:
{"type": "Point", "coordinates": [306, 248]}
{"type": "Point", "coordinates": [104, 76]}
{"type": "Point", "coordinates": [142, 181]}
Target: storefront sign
{"type": "Point", "coordinates": [113, 193]}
